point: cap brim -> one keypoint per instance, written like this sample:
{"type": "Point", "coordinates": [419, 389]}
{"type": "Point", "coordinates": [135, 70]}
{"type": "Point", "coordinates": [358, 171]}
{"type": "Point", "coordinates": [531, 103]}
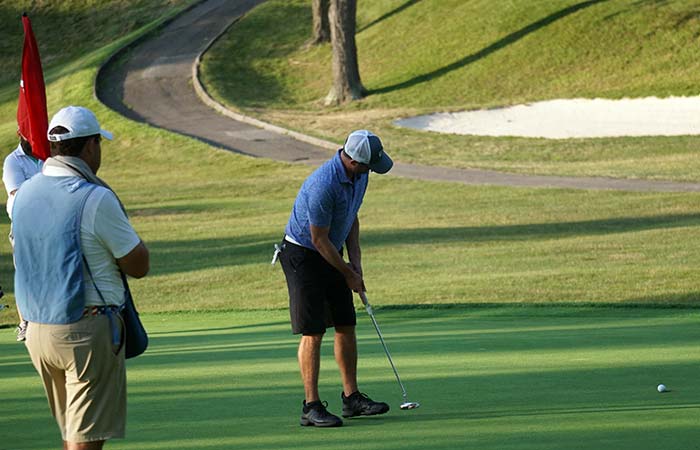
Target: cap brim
{"type": "Point", "coordinates": [383, 165]}
{"type": "Point", "coordinates": [106, 134]}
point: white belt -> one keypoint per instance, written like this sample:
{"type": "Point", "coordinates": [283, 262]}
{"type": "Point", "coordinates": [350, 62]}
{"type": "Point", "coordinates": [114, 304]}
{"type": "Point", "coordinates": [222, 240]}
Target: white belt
{"type": "Point", "coordinates": [290, 239]}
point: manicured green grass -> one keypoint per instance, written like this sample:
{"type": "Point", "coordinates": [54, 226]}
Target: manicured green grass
{"type": "Point", "coordinates": [436, 55]}
{"type": "Point", "coordinates": [487, 378]}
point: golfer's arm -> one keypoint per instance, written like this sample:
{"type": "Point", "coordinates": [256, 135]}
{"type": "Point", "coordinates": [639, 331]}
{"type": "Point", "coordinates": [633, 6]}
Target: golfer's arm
{"type": "Point", "coordinates": [353, 245]}
{"type": "Point", "coordinates": [320, 239]}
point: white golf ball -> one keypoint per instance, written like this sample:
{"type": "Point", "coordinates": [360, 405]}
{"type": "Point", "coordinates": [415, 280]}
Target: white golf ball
{"type": "Point", "coordinates": [661, 388]}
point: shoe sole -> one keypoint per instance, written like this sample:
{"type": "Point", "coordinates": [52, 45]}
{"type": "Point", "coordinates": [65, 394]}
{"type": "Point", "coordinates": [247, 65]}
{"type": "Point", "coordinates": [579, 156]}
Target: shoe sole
{"type": "Point", "coordinates": [347, 416]}
{"type": "Point", "coordinates": [308, 423]}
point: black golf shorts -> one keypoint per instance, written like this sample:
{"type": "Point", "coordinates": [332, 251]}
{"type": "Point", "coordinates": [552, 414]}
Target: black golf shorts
{"type": "Point", "coordinates": [319, 297]}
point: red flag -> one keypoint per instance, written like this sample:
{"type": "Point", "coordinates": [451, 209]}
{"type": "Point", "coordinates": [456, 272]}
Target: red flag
{"type": "Point", "coordinates": [32, 117]}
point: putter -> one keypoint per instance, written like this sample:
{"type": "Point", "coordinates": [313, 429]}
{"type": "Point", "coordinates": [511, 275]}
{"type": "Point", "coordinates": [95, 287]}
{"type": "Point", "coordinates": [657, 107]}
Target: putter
{"type": "Point", "coordinates": [406, 404]}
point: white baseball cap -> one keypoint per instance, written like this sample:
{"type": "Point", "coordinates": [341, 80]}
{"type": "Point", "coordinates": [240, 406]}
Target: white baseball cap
{"type": "Point", "coordinates": [79, 122]}
{"type": "Point", "coordinates": [365, 147]}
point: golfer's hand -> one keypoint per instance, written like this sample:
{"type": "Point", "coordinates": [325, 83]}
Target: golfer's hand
{"type": "Point", "coordinates": [355, 281]}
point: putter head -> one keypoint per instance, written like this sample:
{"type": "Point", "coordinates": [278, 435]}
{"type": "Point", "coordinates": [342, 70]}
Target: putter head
{"type": "Point", "coordinates": [409, 405]}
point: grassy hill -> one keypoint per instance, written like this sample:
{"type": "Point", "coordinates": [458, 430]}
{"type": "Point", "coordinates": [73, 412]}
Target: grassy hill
{"type": "Point", "coordinates": [69, 29]}
{"type": "Point", "coordinates": [436, 55]}
{"type": "Point", "coordinates": [73, 36]}
{"type": "Point", "coordinates": [463, 54]}
{"type": "Point", "coordinates": [210, 217]}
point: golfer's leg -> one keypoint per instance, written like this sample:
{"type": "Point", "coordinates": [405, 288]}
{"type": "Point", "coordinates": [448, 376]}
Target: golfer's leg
{"type": "Point", "coordinates": [94, 445]}
{"type": "Point", "coordinates": [346, 356]}
{"type": "Point", "coordinates": [310, 364]}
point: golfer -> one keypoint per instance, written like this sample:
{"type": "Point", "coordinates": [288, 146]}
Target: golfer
{"type": "Point", "coordinates": [72, 238]}
{"type": "Point", "coordinates": [320, 282]}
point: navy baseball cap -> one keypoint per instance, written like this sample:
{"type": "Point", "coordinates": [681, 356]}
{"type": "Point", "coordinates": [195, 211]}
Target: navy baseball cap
{"type": "Point", "coordinates": [365, 147]}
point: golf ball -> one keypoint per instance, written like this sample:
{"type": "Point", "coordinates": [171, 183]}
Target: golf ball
{"type": "Point", "coordinates": [661, 388]}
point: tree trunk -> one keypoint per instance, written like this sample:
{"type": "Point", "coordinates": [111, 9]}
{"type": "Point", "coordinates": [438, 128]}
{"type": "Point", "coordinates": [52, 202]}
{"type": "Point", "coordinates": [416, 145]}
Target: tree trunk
{"type": "Point", "coordinates": [346, 74]}
{"type": "Point", "coordinates": [321, 27]}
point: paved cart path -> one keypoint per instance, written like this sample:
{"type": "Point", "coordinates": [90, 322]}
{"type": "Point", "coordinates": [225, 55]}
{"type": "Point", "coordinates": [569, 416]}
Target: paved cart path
{"type": "Point", "coordinates": [157, 83]}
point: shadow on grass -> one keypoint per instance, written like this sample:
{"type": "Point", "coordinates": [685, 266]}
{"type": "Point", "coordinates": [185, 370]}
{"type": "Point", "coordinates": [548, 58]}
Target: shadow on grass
{"type": "Point", "coordinates": [196, 254]}
{"type": "Point", "coordinates": [585, 410]}
{"type": "Point", "coordinates": [635, 6]}
{"type": "Point", "coordinates": [208, 330]}
{"type": "Point", "coordinates": [506, 41]}
{"type": "Point", "coordinates": [391, 13]}
{"type": "Point", "coordinates": [169, 257]}
{"type": "Point", "coordinates": [538, 231]}
{"type": "Point", "coordinates": [680, 299]}
{"type": "Point", "coordinates": [219, 397]}
{"type": "Point", "coordinates": [414, 335]}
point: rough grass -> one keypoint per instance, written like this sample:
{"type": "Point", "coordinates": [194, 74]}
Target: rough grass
{"type": "Point", "coordinates": [210, 219]}
{"type": "Point", "coordinates": [435, 55]}
{"type": "Point", "coordinates": [452, 54]}
{"type": "Point", "coordinates": [65, 30]}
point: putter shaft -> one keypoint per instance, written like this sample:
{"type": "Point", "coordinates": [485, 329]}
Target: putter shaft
{"type": "Point", "coordinates": [368, 308]}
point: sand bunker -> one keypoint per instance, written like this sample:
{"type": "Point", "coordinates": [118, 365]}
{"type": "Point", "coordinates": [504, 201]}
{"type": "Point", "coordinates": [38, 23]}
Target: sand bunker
{"type": "Point", "coordinates": [572, 118]}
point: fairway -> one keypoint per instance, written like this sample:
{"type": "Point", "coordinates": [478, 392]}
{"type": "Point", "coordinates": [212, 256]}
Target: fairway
{"type": "Point", "coordinates": [487, 378]}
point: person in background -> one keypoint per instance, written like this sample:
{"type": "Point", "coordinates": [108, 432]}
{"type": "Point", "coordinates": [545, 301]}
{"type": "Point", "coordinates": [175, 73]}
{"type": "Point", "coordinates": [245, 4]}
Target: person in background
{"type": "Point", "coordinates": [19, 166]}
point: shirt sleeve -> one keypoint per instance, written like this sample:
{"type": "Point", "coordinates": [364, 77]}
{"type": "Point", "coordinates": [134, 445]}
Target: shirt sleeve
{"type": "Point", "coordinates": [320, 206]}
{"type": "Point", "coordinates": [12, 175]}
{"type": "Point", "coordinates": [112, 226]}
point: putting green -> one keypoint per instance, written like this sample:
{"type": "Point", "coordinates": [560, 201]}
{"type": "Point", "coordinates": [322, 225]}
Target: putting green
{"type": "Point", "coordinates": [487, 378]}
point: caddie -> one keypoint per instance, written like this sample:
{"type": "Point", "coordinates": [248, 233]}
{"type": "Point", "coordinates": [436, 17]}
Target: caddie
{"type": "Point", "coordinates": [72, 238]}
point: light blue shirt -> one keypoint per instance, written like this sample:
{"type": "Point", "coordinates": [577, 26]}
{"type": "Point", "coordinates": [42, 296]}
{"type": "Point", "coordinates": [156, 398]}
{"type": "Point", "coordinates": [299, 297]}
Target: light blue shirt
{"type": "Point", "coordinates": [328, 198]}
{"type": "Point", "coordinates": [17, 168]}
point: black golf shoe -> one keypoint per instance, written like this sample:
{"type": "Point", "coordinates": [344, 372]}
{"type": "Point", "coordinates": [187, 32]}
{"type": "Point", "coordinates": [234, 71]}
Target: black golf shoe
{"type": "Point", "coordinates": [315, 414]}
{"type": "Point", "coordinates": [358, 404]}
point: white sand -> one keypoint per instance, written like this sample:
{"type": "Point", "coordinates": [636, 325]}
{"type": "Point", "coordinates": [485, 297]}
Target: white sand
{"type": "Point", "coordinates": [574, 118]}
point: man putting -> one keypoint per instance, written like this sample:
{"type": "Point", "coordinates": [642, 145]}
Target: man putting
{"type": "Point", "coordinates": [320, 282]}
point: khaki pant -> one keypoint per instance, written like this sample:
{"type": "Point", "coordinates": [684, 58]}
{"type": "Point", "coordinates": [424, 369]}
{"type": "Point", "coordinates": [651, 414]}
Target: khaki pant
{"type": "Point", "coordinates": [84, 376]}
